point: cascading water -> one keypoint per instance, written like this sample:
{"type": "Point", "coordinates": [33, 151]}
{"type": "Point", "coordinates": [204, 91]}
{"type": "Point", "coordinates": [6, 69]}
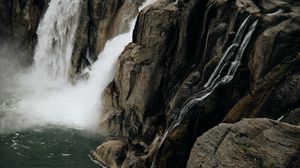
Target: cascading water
{"type": "Point", "coordinates": [36, 115]}
{"type": "Point", "coordinates": [56, 36]}
{"type": "Point", "coordinates": [45, 100]}
{"type": "Point", "coordinates": [33, 103]}
{"type": "Point", "coordinates": [221, 75]}
{"type": "Point", "coordinates": [112, 50]}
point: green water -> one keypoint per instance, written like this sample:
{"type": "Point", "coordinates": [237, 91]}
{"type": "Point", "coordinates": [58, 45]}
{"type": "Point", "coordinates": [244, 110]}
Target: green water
{"type": "Point", "coordinates": [47, 148]}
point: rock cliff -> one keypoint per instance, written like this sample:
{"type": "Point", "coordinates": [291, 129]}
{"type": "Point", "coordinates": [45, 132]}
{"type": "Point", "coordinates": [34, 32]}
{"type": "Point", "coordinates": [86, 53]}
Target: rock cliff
{"type": "Point", "coordinates": [176, 46]}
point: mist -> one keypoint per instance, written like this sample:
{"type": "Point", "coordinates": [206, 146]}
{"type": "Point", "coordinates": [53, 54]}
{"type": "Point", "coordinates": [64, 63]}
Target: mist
{"type": "Point", "coordinates": [40, 94]}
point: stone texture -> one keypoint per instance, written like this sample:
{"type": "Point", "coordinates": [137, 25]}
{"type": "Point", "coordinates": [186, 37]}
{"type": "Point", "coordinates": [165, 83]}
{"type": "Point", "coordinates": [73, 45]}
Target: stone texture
{"type": "Point", "coordinates": [248, 143]}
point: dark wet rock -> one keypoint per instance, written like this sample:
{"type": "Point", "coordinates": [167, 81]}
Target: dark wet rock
{"type": "Point", "coordinates": [272, 96]}
{"type": "Point", "coordinates": [19, 21]}
{"type": "Point", "coordinates": [292, 117]}
{"type": "Point", "coordinates": [248, 143]}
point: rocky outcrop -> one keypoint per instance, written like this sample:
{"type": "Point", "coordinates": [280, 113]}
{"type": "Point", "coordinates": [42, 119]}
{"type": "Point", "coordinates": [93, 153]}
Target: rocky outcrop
{"type": "Point", "coordinates": [125, 153]}
{"type": "Point", "coordinates": [248, 143]}
{"type": "Point", "coordinates": [176, 47]}
{"type": "Point", "coordinates": [140, 71]}
{"type": "Point", "coordinates": [112, 153]}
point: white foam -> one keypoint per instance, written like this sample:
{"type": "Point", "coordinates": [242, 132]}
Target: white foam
{"type": "Point", "coordinates": [47, 97]}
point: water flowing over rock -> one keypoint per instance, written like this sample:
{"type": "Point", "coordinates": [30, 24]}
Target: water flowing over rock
{"type": "Point", "coordinates": [100, 21]}
{"type": "Point", "coordinates": [183, 67]}
{"type": "Point", "coordinates": [248, 143]}
{"type": "Point", "coordinates": [51, 95]}
{"type": "Point", "coordinates": [176, 47]}
{"type": "Point", "coordinates": [56, 37]}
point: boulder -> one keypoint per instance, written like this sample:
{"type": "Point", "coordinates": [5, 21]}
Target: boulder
{"type": "Point", "coordinates": [248, 143]}
{"type": "Point", "coordinates": [111, 153]}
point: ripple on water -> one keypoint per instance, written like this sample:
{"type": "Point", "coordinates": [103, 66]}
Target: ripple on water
{"type": "Point", "coordinates": [49, 148]}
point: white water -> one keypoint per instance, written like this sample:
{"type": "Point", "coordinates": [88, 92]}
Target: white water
{"type": "Point", "coordinates": [44, 95]}
{"type": "Point", "coordinates": [279, 11]}
{"type": "Point", "coordinates": [221, 75]}
{"type": "Point", "coordinates": [56, 36]}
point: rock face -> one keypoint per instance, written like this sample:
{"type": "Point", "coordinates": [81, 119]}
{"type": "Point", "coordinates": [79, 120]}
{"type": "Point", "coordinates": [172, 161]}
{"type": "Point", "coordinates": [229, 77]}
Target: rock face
{"type": "Point", "coordinates": [19, 20]}
{"type": "Point", "coordinates": [112, 153]}
{"type": "Point", "coordinates": [248, 143]}
{"type": "Point", "coordinates": [140, 71]}
{"type": "Point", "coordinates": [176, 47]}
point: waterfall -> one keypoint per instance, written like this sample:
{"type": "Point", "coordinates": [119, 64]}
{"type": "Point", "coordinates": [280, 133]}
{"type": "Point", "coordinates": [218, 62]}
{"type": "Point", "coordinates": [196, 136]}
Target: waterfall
{"type": "Point", "coordinates": [103, 69]}
{"type": "Point", "coordinates": [33, 100]}
{"type": "Point", "coordinates": [47, 98]}
{"type": "Point", "coordinates": [56, 35]}
{"type": "Point", "coordinates": [221, 75]}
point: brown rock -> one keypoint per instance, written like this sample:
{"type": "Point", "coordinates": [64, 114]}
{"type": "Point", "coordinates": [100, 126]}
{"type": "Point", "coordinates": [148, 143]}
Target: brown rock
{"type": "Point", "coordinates": [112, 153]}
{"type": "Point", "coordinates": [249, 143]}
{"type": "Point", "coordinates": [176, 47]}
{"type": "Point", "coordinates": [139, 71]}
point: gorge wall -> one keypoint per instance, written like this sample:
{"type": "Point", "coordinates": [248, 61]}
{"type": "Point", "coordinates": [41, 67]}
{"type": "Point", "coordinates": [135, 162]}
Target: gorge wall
{"type": "Point", "coordinates": [176, 46]}
{"type": "Point", "coordinates": [19, 21]}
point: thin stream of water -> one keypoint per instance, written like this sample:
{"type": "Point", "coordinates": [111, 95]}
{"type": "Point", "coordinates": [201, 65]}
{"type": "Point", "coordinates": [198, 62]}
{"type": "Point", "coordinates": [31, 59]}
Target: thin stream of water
{"type": "Point", "coordinates": [221, 75]}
